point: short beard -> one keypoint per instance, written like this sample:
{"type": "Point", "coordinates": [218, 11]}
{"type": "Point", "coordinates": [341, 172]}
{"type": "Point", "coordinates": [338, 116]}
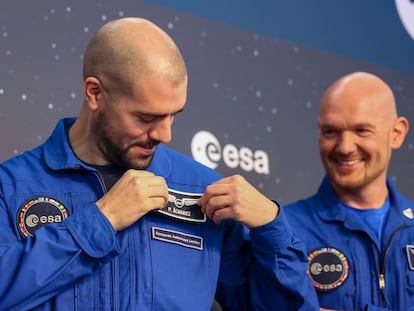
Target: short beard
{"type": "Point", "coordinates": [113, 153]}
{"type": "Point", "coordinates": [354, 184]}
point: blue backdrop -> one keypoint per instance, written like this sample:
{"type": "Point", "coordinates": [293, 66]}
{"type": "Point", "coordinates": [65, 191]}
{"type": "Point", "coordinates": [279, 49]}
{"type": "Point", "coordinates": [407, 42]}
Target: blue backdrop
{"type": "Point", "coordinates": [257, 71]}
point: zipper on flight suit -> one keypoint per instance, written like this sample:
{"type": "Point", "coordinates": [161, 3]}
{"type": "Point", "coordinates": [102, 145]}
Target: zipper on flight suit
{"type": "Point", "coordinates": [114, 297]}
{"type": "Point", "coordinates": [381, 278]}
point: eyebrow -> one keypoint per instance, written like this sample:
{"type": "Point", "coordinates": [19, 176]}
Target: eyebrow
{"type": "Point", "coordinates": [353, 126]}
{"type": "Point", "coordinates": [157, 115]}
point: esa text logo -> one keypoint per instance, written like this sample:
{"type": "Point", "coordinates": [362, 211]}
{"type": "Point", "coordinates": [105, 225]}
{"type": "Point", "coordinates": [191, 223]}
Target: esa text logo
{"type": "Point", "coordinates": [206, 149]}
{"type": "Point", "coordinates": [405, 9]}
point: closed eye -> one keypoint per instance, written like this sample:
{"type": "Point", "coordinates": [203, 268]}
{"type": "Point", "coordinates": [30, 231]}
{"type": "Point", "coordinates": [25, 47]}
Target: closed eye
{"type": "Point", "coordinates": [147, 118]}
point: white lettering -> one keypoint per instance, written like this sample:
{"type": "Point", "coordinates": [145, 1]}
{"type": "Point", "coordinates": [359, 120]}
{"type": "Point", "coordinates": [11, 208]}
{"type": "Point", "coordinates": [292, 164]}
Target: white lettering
{"type": "Point", "coordinates": [230, 156]}
{"type": "Point", "coordinates": [206, 149]}
{"type": "Point", "coordinates": [47, 219]}
{"type": "Point", "coordinates": [246, 159]}
{"type": "Point", "coordinates": [181, 212]}
{"type": "Point", "coordinates": [261, 162]}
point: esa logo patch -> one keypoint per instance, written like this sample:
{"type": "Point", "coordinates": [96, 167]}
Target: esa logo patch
{"type": "Point", "coordinates": [183, 205]}
{"type": "Point", "coordinates": [38, 212]}
{"type": "Point", "coordinates": [328, 268]}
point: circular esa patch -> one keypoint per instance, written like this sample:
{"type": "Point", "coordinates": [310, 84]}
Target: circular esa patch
{"type": "Point", "coordinates": [328, 268]}
{"type": "Point", "coordinates": [38, 212]}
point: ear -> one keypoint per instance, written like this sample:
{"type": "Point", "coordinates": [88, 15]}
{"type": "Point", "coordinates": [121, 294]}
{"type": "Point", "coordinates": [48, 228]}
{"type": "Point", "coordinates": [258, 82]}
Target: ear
{"type": "Point", "coordinates": [92, 89]}
{"type": "Point", "coordinates": [399, 131]}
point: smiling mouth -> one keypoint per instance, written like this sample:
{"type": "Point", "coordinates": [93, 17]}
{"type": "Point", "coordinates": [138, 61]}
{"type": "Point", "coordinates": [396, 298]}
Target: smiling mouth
{"type": "Point", "coordinates": [349, 163]}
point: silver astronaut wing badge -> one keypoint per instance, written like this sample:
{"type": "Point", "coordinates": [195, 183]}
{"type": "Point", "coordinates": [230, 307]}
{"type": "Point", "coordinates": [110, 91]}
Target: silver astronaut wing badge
{"type": "Point", "coordinates": [183, 205]}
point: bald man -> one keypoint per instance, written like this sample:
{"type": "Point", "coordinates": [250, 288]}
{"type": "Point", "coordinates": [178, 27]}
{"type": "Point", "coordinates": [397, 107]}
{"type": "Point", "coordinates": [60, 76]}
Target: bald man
{"type": "Point", "coordinates": [358, 229]}
{"type": "Point", "coordinates": [103, 216]}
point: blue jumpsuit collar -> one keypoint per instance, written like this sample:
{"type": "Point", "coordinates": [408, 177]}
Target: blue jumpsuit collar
{"type": "Point", "coordinates": [336, 212]}
{"type": "Point", "coordinates": [59, 153]}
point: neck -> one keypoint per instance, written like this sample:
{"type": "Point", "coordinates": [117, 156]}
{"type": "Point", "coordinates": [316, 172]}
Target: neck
{"type": "Point", "coordinates": [82, 142]}
{"type": "Point", "coordinates": [367, 197]}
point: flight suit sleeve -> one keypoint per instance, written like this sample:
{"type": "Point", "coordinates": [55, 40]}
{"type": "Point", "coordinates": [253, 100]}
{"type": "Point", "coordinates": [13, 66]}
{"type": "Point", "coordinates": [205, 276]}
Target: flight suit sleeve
{"type": "Point", "coordinates": [270, 273]}
{"type": "Point", "coordinates": [278, 279]}
{"type": "Point", "coordinates": [34, 269]}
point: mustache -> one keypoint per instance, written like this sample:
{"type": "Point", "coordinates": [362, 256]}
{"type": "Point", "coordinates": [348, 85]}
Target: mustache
{"type": "Point", "coordinates": [145, 144]}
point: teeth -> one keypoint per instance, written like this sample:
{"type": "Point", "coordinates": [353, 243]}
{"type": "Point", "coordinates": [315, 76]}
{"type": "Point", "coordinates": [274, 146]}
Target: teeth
{"type": "Point", "coordinates": [349, 162]}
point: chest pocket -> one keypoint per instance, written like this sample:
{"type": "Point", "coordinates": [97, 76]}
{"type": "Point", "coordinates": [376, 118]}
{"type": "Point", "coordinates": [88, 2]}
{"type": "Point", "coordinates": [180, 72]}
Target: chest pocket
{"type": "Point", "coordinates": [330, 272]}
{"type": "Point", "coordinates": [407, 266]}
{"type": "Point", "coordinates": [190, 252]}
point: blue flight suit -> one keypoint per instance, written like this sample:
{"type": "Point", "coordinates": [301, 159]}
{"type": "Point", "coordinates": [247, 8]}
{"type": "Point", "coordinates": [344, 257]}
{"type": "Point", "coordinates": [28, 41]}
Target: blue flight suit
{"type": "Point", "coordinates": [59, 252]}
{"type": "Point", "coordinates": [350, 269]}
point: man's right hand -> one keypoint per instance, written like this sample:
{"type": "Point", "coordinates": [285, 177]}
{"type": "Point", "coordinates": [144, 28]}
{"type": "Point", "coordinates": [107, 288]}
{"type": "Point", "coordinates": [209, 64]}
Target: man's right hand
{"type": "Point", "coordinates": [135, 194]}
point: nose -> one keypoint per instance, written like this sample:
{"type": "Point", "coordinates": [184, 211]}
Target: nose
{"type": "Point", "coordinates": [161, 129]}
{"type": "Point", "coordinates": [346, 143]}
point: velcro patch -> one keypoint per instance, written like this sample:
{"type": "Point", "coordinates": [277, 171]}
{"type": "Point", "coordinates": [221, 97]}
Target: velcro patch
{"type": "Point", "coordinates": [328, 268]}
{"type": "Point", "coordinates": [183, 205]}
{"type": "Point", "coordinates": [176, 237]}
{"type": "Point", "coordinates": [410, 256]}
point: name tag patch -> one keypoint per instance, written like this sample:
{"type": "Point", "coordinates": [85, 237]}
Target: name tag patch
{"type": "Point", "coordinates": [176, 237]}
{"type": "Point", "coordinates": [183, 205]}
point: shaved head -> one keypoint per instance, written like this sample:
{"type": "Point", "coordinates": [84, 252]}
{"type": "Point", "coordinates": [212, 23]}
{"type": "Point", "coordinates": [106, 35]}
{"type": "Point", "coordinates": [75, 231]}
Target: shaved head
{"type": "Point", "coordinates": [363, 88]}
{"type": "Point", "coordinates": [126, 50]}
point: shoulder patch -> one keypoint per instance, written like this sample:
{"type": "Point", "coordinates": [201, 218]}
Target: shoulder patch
{"type": "Point", "coordinates": [38, 212]}
{"type": "Point", "coordinates": [328, 268]}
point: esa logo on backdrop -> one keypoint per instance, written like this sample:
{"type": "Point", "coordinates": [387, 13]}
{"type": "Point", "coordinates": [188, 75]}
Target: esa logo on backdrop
{"type": "Point", "coordinates": [405, 9]}
{"type": "Point", "coordinates": [206, 149]}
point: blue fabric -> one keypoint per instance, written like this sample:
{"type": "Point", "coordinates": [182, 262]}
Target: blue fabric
{"type": "Point", "coordinates": [321, 221]}
{"type": "Point", "coordinates": [81, 263]}
{"type": "Point", "coordinates": [373, 218]}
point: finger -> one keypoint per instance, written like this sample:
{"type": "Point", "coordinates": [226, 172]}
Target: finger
{"type": "Point", "coordinates": [226, 180]}
{"type": "Point", "coordinates": [158, 202]}
{"type": "Point", "coordinates": [220, 201]}
{"type": "Point", "coordinates": [213, 206]}
{"type": "Point", "coordinates": [221, 214]}
{"type": "Point", "coordinates": [155, 181]}
{"type": "Point", "coordinates": [209, 212]}
{"type": "Point", "coordinates": [216, 189]}
{"type": "Point", "coordinates": [203, 201]}
{"type": "Point", "coordinates": [138, 173]}
{"type": "Point", "coordinates": [159, 190]}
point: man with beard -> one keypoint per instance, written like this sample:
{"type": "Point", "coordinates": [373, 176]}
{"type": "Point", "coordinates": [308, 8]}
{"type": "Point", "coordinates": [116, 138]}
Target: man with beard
{"type": "Point", "coordinates": [358, 229]}
{"type": "Point", "coordinates": [103, 216]}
